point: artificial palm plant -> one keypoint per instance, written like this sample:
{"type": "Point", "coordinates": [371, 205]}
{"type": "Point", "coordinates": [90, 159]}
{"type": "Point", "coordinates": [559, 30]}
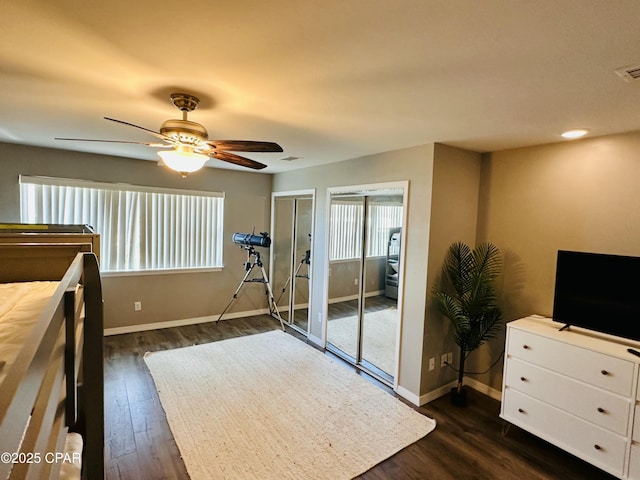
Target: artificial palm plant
{"type": "Point", "coordinates": [466, 295]}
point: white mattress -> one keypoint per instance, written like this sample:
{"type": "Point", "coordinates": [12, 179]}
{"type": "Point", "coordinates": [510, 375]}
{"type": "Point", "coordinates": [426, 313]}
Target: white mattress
{"type": "Point", "coordinates": [71, 468]}
{"type": "Point", "coordinates": [20, 306]}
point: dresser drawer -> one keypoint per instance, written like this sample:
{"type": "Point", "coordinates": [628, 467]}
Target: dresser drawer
{"type": "Point", "coordinates": [604, 371]}
{"type": "Point", "coordinates": [636, 424]}
{"type": "Point", "coordinates": [634, 464]}
{"type": "Point", "coordinates": [595, 405]}
{"type": "Point", "coordinates": [589, 442]}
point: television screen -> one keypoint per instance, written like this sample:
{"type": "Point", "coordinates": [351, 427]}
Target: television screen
{"type": "Point", "coordinates": [599, 292]}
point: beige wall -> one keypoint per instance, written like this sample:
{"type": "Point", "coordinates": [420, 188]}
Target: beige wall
{"type": "Point", "coordinates": [344, 272]}
{"type": "Point", "coordinates": [454, 213]}
{"type": "Point", "coordinates": [165, 297]}
{"type": "Point", "coordinates": [580, 195]}
{"type": "Point", "coordinates": [413, 164]}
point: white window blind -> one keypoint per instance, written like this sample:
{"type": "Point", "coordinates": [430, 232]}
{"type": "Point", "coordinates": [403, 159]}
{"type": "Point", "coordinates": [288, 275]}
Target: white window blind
{"type": "Point", "coordinates": [345, 231]}
{"type": "Point", "coordinates": [382, 218]}
{"type": "Point", "coordinates": [141, 228]}
{"type": "Point", "coordinates": [346, 226]}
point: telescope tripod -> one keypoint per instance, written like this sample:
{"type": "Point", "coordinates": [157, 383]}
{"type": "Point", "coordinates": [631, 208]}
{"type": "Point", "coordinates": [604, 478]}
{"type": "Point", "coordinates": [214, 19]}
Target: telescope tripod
{"type": "Point", "coordinates": [249, 266]}
{"type": "Point", "coordinates": [305, 261]}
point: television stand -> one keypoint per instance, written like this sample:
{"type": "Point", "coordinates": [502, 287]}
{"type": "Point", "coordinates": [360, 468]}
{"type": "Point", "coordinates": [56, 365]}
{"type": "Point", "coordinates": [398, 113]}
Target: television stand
{"type": "Point", "coordinates": [575, 390]}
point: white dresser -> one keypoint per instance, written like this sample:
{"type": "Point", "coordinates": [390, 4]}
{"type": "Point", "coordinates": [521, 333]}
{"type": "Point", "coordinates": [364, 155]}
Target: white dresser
{"type": "Point", "coordinates": [575, 389]}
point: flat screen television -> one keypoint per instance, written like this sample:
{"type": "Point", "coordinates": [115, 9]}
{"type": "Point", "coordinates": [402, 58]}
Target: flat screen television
{"type": "Point", "coordinates": [599, 292]}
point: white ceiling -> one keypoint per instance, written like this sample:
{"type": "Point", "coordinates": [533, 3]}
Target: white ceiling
{"type": "Point", "coordinates": [328, 80]}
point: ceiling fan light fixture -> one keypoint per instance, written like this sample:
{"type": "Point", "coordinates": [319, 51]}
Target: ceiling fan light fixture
{"type": "Point", "coordinates": [190, 142]}
{"type": "Point", "coordinates": [183, 160]}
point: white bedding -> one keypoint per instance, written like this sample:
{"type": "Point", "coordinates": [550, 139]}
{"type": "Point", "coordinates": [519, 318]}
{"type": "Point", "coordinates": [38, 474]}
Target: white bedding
{"type": "Point", "coordinates": [71, 468]}
{"type": "Point", "coordinates": [20, 306]}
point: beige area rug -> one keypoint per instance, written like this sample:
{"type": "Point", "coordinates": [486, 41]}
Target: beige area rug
{"type": "Point", "coordinates": [378, 339]}
{"type": "Point", "coordinates": [269, 406]}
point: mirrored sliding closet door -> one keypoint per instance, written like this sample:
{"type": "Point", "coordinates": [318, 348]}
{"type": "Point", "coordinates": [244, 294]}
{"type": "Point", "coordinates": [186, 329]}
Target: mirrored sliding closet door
{"type": "Point", "coordinates": [292, 223]}
{"type": "Point", "coordinates": [365, 236]}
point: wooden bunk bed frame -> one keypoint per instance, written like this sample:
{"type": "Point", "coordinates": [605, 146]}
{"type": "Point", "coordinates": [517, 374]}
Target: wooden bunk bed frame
{"type": "Point", "coordinates": [56, 383]}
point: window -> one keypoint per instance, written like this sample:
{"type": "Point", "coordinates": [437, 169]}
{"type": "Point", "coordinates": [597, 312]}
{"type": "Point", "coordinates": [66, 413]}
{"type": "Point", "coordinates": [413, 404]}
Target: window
{"type": "Point", "coordinates": [346, 225]}
{"type": "Point", "coordinates": [346, 220]}
{"type": "Point", "coordinates": [382, 218]}
{"type": "Point", "coordinates": [141, 228]}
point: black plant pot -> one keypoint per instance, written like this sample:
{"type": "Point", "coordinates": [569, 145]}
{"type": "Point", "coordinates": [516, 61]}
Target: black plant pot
{"type": "Point", "coordinates": [459, 398]}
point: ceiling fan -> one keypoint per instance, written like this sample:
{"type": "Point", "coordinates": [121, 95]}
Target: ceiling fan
{"type": "Point", "coordinates": [189, 143]}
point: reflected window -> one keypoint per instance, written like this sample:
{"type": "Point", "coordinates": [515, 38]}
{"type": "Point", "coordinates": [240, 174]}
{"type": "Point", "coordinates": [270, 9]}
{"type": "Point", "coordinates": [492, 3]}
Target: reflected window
{"type": "Point", "coordinates": [346, 218]}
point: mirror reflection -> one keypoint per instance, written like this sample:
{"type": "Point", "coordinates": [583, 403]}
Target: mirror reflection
{"type": "Point", "coordinates": [281, 251]}
{"type": "Point", "coordinates": [291, 258]}
{"type": "Point", "coordinates": [302, 262]}
{"type": "Point", "coordinates": [364, 275]}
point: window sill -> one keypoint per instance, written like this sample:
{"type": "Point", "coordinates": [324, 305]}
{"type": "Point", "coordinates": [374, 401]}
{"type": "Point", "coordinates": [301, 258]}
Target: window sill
{"type": "Point", "coordinates": [357, 259]}
{"type": "Point", "coordinates": [167, 271]}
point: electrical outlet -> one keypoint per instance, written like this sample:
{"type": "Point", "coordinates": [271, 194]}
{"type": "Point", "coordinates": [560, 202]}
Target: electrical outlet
{"type": "Point", "coordinates": [137, 306]}
{"type": "Point", "coordinates": [443, 359]}
{"type": "Point", "coordinates": [319, 317]}
{"type": "Point", "coordinates": [355, 281]}
{"type": "Point", "coordinates": [450, 358]}
{"type": "Point", "coordinates": [432, 363]}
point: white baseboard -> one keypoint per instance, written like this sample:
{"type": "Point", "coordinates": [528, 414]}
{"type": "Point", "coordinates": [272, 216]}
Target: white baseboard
{"type": "Point", "coordinates": [143, 327]}
{"type": "Point", "coordinates": [343, 299]}
{"type": "Point", "coordinates": [285, 308]}
{"type": "Point", "coordinates": [375, 293]}
{"type": "Point", "coordinates": [437, 393]}
{"type": "Point", "coordinates": [427, 397]}
{"type": "Point", "coordinates": [408, 395]}
{"type": "Point", "coordinates": [445, 389]}
{"type": "Point", "coordinates": [482, 388]}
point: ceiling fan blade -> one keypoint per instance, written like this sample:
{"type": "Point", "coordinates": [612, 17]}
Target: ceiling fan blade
{"type": "Point", "coordinates": [238, 160]}
{"type": "Point", "coordinates": [147, 144]}
{"type": "Point", "coordinates": [245, 146]}
{"type": "Point", "coordinates": [157, 134]}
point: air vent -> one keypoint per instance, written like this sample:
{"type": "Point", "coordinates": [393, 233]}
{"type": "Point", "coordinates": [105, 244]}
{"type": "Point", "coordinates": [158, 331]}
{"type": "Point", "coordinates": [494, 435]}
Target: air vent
{"type": "Point", "coordinates": [629, 74]}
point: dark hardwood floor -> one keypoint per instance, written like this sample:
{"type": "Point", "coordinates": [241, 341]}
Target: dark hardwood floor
{"type": "Point", "coordinates": [468, 443]}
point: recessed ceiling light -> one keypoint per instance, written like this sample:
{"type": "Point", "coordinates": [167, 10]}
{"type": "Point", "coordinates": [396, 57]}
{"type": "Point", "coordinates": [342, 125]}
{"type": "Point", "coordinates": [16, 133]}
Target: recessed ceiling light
{"type": "Point", "coordinates": [577, 133]}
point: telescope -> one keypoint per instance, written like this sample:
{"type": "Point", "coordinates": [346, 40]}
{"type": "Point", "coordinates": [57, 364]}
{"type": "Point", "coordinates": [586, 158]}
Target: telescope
{"type": "Point", "coordinates": [252, 240]}
{"type": "Point", "coordinates": [248, 241]}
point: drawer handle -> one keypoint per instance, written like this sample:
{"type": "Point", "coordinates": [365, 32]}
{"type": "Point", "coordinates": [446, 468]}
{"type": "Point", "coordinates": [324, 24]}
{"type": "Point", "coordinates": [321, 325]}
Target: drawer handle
{"type": "Point", "coordinates": [525, 346]}
{"type": "Point", "coordinates": [601, 410]}
{"type": "Point", "coordinates": [523, 379]}
{"type": "Point", "coordinates": [597, 447]}
{"type": "Point", "coordinates": [521, 410]}
{"type": "Point", "coordinates": [604, 372]}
